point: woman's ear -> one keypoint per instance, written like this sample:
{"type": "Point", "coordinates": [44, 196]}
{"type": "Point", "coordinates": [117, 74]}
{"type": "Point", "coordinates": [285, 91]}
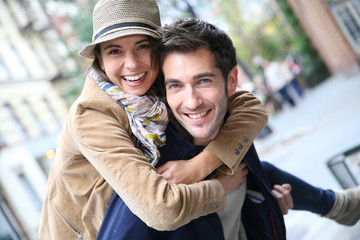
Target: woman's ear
{"type": "Point", "coordinates": [232, 81]}
{"type": "Point", "coordinates": [98, 56]}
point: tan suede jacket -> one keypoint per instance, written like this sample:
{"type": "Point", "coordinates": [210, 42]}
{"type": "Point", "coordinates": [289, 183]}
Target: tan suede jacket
{"type": "Point", "coordinates": [97, 154]}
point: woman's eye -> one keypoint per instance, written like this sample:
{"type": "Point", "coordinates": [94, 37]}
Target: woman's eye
{"type": "Point", "coordinates": [144, 46]}
{"type": "Point", "coordinates": [114, 51]}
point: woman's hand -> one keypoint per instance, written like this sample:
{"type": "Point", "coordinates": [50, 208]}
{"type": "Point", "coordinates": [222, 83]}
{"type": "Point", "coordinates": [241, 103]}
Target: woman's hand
{"type": "Point", "coordinates": [180, 171]}
{"type": "Point", "coordinates": [190, 171]}
{"type": "Point", "coordinates": [232, 182]}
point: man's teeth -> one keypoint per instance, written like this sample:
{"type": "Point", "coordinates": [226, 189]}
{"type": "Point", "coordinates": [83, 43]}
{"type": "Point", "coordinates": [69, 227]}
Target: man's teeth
{"type": "Point", "coordinates": [195, 116]}
{"type": "Point", "coordinates": [134, 77]}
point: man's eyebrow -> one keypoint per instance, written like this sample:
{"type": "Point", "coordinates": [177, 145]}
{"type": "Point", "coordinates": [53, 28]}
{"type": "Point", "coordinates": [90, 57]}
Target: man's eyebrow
{"type": "Point", "coordinates": [205, 74]}
{"type": "Point", "coordinates": [197, 76]}
{"type": "Point", "coordinates": [171, 80]}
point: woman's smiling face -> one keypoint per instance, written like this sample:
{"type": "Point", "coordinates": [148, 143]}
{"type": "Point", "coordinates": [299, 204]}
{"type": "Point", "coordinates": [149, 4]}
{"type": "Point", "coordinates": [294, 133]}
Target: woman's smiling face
{"type": "Point", "coordinates": [127, 63]}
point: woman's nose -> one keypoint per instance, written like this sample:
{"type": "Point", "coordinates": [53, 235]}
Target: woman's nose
{"type": "Point", "coordinates": [131, 61]}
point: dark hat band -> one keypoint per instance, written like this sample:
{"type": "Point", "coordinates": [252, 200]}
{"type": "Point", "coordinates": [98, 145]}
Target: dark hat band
{"type": "Point", "coordinates": [122, 25]}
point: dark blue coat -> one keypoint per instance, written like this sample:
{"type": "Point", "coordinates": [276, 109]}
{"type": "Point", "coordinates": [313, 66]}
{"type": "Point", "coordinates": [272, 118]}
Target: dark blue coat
{"type": "Point", "coordinates": [262, 220]}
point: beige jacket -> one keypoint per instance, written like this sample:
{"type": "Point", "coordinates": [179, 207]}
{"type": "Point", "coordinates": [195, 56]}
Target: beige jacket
{"type": "Point", "coordinates": [97, 154]}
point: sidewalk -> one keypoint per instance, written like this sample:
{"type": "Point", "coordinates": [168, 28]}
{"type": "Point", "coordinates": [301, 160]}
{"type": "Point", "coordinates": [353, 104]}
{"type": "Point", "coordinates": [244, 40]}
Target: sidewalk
{"type": "Point", "coordinates": [324, 123]}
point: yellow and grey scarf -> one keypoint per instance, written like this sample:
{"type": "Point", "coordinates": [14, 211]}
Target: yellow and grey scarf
{"type": "Point", "coordinates": [147, 116]}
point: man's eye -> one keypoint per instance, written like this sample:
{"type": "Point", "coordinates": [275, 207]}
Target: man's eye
{"type": "Point", "coordinates": [173, 86]}
{"type": "Point", "coordinates": [205, 81]}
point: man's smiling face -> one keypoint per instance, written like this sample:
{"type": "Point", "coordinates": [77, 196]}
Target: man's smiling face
{"type": "Point", "coordinates": [197, 92]}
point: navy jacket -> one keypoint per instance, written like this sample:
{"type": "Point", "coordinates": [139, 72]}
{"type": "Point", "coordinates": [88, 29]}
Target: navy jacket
{"type": "Point", "coordinates": [262, 219]}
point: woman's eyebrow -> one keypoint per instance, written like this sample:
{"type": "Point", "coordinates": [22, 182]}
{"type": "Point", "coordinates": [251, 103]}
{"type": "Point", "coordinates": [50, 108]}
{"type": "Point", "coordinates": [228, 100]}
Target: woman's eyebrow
{"type": "Point", "coordinates": [119, 46]}
{"type": "Point", "coordinates": [142, 41]}
{"type": "Point", "coordinates": [112, 46]}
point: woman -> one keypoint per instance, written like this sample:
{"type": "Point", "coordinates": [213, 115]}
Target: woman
{"type": "Point", "coordinates": [98, 150]}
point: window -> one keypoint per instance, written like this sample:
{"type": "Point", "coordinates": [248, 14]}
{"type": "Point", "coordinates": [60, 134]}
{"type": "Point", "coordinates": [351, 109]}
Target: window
{"type": "Point", "coordinates": [11, 130]}
{"type": "Point", "coordinates": [28, 121]}
{"type": "Point", "coordinates": [45, 119]}
{"type": "Point", "coordinates": [356, 5]}
{"type": "Point", "coordinates": [347, 14]}
{"type": "Point", "coordinates": [352, 25]}
{"type": "Point", "coordinates": [8, 228]}
{"type": "Point", "coordinates": [4, 74]}
{"type": "Point", "coordinates": [30, 191]}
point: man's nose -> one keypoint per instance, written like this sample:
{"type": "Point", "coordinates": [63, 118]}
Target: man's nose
{"type": "Point", "coordinates": [192, 99]}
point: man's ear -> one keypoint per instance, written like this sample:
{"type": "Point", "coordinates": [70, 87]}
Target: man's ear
{"type": "Point", "coordinates": [232, 81]}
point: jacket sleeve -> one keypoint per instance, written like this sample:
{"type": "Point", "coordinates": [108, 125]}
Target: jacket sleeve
{"type": "Point", "coordinates": [103, 138]}
{"type": "Point", "coordinates": [247, 118]}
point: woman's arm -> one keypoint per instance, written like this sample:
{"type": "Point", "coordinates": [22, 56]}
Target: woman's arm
{"type": "Point", "coordinates": [103, 138]}
{"type": "Point", "coordinates": [247, 117]}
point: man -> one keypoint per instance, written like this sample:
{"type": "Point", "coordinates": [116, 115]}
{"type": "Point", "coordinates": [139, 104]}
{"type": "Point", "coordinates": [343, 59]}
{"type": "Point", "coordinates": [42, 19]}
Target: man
{"type": "Point", "coordinates": [193, 56]}
{"type": "Point", "coordinates": [197, 92]}
{"type": "Point", "coordinates": [200, 73]}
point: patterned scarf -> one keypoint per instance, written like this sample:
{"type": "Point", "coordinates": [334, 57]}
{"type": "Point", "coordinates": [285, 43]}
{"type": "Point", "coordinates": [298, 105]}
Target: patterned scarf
{"type": "Point", "coordinates": [147, 116]}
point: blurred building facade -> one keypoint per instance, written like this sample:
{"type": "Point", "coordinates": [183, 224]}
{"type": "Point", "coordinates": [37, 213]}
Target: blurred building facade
{"type": "Point", "coordinates": [334, 29]}
{"type": "Point", "coordinates": [32, 58]}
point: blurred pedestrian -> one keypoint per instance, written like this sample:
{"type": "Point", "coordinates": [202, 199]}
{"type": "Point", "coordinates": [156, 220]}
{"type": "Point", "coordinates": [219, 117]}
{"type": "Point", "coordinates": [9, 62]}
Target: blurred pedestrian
{"type": "Point", "coordinates": [277, 76]}
{"type": "Point", "coordinates": [261, 91]}
{"type": "Point", "coordinates": [296, 69]}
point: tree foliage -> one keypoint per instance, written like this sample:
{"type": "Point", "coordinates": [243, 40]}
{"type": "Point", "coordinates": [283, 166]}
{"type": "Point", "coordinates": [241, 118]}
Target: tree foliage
{"type": "Point", "coordinates": [267, 35]}
{"type": "Point", "coordinates": [314, 70]}
{"type": "Point", "coordinates": [273, 35]}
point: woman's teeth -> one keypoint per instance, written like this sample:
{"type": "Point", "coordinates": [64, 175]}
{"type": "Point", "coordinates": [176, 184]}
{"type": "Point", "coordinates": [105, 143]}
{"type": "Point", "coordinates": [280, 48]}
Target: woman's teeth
{"type": "Point", "coordinates": [134, 78]}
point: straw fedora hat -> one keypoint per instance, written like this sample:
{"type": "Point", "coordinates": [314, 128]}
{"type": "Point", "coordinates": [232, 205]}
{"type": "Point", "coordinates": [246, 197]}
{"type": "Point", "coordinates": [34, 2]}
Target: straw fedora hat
{"type": "Point", "coordinates": [118, 18]}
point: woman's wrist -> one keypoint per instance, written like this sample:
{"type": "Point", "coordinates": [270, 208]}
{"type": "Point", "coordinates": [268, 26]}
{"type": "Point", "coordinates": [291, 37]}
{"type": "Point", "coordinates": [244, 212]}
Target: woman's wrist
{"type": "Point", "coordinates": [206, 163]}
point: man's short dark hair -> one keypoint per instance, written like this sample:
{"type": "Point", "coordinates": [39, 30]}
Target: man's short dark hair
{"type": "Point", "coordinates": [188, 35]}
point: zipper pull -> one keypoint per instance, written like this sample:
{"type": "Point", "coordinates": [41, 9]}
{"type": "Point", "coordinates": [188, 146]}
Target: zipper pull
{"type": "Point", "coordinates": [79, 234]}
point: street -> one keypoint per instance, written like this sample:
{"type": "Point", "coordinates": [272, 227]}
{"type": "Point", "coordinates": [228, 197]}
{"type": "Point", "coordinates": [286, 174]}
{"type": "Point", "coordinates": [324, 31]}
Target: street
{"type": "Point", "coordinates": [325, 122]}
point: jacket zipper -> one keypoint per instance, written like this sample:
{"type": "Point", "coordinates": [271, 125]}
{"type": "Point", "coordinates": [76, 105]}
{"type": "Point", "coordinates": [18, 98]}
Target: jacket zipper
{"type": "Point", "coordinates": [78, 233]}
{"type": "Point", "coordinates": [269, 191]}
